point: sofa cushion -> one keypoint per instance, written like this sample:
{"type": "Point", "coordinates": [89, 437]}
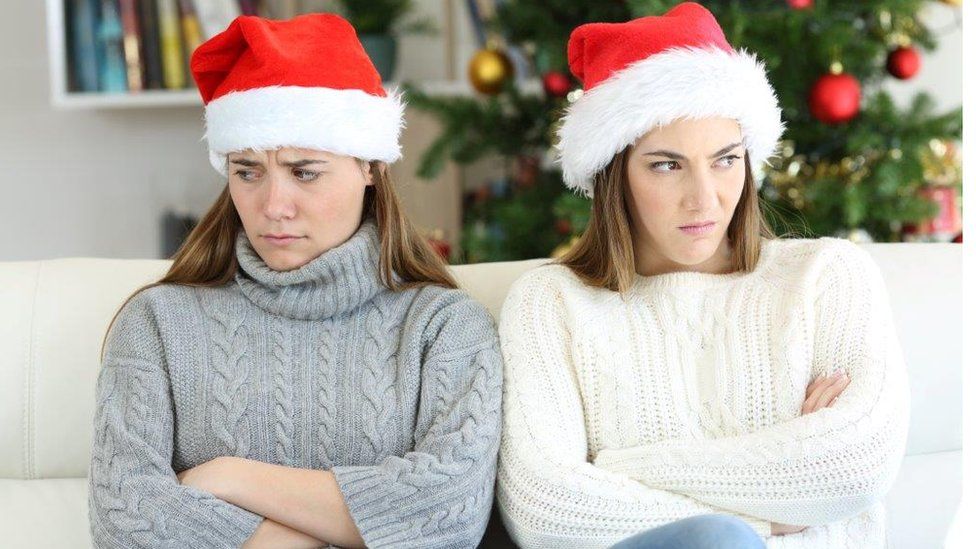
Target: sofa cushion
{"type": "Point", "coordinates": [44, 514]}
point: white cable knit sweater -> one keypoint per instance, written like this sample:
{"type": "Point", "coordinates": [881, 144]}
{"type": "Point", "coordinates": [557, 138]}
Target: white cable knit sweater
{"type": "Point", "coordinates": [683, 398]}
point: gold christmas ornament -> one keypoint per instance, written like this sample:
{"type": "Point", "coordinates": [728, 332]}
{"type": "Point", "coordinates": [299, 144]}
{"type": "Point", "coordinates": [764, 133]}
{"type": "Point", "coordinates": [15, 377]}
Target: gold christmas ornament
{"type": "Point", "coordinates": [489, 70]}
{"type": "Point", "coordinates": [940, 163]}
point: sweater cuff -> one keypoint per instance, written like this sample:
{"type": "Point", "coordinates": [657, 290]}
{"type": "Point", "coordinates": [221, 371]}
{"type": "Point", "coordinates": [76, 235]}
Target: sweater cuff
{"type": "Point", "coordinates": [762, 527]}
{"type": "Point", "coordinates": [369, 496]}
{"type": "Point", "coordinates": [234, 524]}
{"type": "Point", "coordinates": [389, 512]}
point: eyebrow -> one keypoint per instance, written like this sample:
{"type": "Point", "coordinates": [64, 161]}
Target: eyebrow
{"type": "Point", "coordinates": [675, 156]}
{"type": "Point", "coordinates": [294, 164]}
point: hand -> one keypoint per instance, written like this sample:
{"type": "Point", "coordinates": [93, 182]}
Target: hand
{"type": "Point", "coordinates": [782, 529]}
{"type": "Point", "coordinates": [213, 476]}
{"type": "Point", "coordinates": [824, 391]}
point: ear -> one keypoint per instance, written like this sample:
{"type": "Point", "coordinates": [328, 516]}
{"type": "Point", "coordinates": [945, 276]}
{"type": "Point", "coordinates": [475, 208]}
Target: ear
{"type": "Point", "coordinates": [367, 170]}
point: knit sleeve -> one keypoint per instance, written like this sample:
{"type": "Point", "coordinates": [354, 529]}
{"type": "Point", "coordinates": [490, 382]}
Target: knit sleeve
{"type": "Point", "coordinates": [134, 497]}
{"type": "Point", "coordinates": [439, 494]}
{"type": "Point", "coordinates": [549, 494]}
{"type": "Point", "coordinates": [820, 467]}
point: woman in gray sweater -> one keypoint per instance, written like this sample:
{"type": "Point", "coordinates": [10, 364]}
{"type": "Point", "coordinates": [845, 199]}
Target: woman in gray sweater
{"type": "Point", "coordinates": [307, 372]}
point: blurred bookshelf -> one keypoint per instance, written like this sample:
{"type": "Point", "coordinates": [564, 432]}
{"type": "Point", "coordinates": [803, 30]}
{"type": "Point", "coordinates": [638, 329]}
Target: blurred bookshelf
{"type": "Point", "coordinates": [75, 25]}
{"type": "Point", "coordinates": [109, 53]}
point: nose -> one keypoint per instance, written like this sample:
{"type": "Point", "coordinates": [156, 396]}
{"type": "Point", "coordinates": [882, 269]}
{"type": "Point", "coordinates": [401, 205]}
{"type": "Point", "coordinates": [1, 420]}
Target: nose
{"type": "Point", "coordinates": [278, 201]}
{"type": "Point", "coordinates": [700, 191]}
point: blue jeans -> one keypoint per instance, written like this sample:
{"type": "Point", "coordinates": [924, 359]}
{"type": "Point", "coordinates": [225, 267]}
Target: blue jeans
{"type": "Point", "coordinates": [701, 532]}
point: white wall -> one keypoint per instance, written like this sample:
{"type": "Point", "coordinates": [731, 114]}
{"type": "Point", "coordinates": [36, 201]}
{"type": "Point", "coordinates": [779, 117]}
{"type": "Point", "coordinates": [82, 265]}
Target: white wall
{"type": "Point", "coordinates": [94, 183]}
{"type": "Point", "coordinates": [89, 183]}
{"type": "Point", "coordinates": [941, 72]}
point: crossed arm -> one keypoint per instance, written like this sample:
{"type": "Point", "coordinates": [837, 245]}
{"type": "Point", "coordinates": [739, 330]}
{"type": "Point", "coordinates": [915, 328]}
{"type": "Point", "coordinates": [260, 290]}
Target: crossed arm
{"type": "Point", "coordinates": [831, 462]}
{"type": "Point", "coordinates": [292, 511]}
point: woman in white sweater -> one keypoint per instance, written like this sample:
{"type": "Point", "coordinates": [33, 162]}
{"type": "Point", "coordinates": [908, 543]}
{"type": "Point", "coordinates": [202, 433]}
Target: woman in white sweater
{"type": "Point", "coordinates": [680, 362]}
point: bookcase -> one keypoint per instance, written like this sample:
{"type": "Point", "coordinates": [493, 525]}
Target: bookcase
{"type": "Point", "coordinates": [63, 97]}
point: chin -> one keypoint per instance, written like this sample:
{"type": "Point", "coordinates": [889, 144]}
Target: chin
{"type": "Point", "coordinates": [283, 262]}
{"type": "Point", "coordinates": [700, 252]}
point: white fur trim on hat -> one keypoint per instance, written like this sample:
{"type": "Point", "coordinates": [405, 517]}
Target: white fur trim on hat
{"type": "Point", "coordinates": [350, 122]}
{"type": "Point", "coordinates": [684, 82]}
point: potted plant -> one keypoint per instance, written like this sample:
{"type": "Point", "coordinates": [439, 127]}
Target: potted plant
{"type": "Point", "coordinates": [377, 22]}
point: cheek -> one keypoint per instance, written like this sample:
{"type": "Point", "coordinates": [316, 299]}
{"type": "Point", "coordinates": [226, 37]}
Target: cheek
{"type": "Point", "coordinates": [732, 190]}
{"type": "Point", "coordinates": [334, 200]}
{"type": "Point", "coordinates": [245, 204]}
{"type": "Point", "coordinates": [653, 201]}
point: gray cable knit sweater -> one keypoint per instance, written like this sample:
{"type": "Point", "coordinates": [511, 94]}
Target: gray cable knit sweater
{"type": "Point", "coordinates": [323, 367]}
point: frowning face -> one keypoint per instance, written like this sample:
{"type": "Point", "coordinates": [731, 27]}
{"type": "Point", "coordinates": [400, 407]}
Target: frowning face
{"type": "Point", "coordinates": [297, 203]}
{"type": "Point", "coordinates": [684, 181]}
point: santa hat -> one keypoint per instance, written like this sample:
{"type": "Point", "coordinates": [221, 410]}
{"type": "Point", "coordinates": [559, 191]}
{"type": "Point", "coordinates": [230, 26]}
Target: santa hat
{"type": "Point", "coordinates": [652, 71]}
{"type": "Point", "coordinates": [305, 82]}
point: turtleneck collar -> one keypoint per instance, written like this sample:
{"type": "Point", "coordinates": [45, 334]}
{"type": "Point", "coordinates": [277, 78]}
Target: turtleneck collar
{"type": "Point", "coordinates": [333, 283]}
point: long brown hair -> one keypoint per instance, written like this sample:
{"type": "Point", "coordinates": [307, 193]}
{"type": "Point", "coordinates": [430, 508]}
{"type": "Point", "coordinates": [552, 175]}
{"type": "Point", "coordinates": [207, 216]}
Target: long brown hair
{"type": "Point", "coordinates": [207, 257]}
{"type": "Point", "coordinates": [604, 254]}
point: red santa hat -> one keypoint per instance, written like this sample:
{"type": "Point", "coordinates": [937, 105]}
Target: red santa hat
{"type": "Point", "coordinates": [305, 82]}
{"type": "Point", "coordinates": [652, 71]}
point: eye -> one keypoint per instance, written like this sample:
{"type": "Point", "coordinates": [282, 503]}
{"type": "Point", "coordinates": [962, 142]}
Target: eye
{"type": "Point", "coordinates": [246, 175]}
{"type": "Point", "coordinates": [665, 166]}
{"type": "Point", "coordinates": [305, 175]}
{"type": "Point", "coordinates": [728, 161]}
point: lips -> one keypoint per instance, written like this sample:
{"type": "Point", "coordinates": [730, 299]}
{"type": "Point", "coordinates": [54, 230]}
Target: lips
{"type": "Point", "coordinates": [280, 239]}
{"type": "Point", "coordinates": [697, 225]}
{"type": "Point", "coordinates": [698, 229]}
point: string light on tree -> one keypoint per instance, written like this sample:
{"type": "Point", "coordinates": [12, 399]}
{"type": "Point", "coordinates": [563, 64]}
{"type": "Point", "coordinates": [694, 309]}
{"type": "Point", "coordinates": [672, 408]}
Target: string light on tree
{"type": "Point", "coordinates": [800, 4]}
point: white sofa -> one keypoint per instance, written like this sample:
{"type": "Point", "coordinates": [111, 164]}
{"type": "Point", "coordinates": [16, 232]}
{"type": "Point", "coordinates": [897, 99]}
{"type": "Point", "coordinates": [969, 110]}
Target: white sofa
{"type": "Point", "coordinates": [53, 315]}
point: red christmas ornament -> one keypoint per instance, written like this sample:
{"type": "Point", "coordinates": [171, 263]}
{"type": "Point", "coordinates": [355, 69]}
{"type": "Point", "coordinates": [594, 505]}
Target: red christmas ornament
{"type": "Point", "coordinates": [441, 246]}
{"type": "Point", "coordinates": [904, 62]}
{"type": "Point", "coordinates": [556, 84]}
{"type": "Point", "coordinates": [835, 98]}
{"type": "Point", "coordinates": [526, 170]}
{"type": "Point", "coordinates": [563, 226]}
{"type": "Point", "coordinates": [800, 4]}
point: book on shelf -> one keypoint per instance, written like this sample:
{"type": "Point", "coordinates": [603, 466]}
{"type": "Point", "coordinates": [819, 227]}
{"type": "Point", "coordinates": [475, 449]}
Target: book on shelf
{"type": "Point", "coordinates": [150, 42]}
{"type": "Point", "coordinates": [81, 24]}
{"type": "Point", "coordinates": [111, 73]}
{"type": "Point", "coordinates": [130, 44]}
{"type": "Point", "coordinates": [114, 46]}
{"type": "Point", "coordinates": [190, 25]}
{"type": "Point", "coordinates": [170, 44]}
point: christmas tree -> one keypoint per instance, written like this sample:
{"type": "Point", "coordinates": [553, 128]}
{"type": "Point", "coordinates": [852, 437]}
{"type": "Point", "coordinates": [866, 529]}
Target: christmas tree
{"type": "Point", "coordinates": [851, 163]}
